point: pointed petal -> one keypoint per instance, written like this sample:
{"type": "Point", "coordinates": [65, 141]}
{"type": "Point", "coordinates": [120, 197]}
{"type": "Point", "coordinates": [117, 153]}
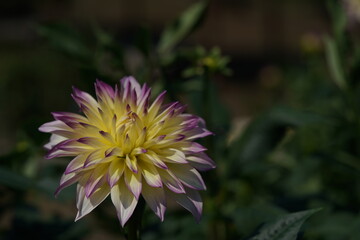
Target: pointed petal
{"type": "Point", "coordinates": [172, 155]}
{"type": "Point", "coordinates": [67, 180]}
{"type": "Point", "coordinates": [188, 175]}
{"type": "Point", "coordinates": [151, 175]}
{"type": "Point", "coordinates": [133, 182]}
{"type": "Point", "coordinates": [83, 98]}
{"type": "Point", "coordinates": [152, 158]}
{"type": "Point", "coordinates": [53, 126]}
{"type": "Point", "coordinates": [170, 181]}
{"type": "Point", "coordinates": [194, 147]}
{"type": "Point", "coordinates": [124, 201]}
{"type": "Point", "coordinates": [76, 164]}
{"type": "Point", "coordinates": [155, 198]}
{"type": "Point", "coordinates": [86, 205]}
{"type": "Point", "coordinates": [190, 201]}
{"type": "Point", "coordinates": [96, 179]}
{"type": "Point", "coordinates": [201, 161]}
{"type": "Point", "coordinates": [104, 90]}
{"type": "Point", "coordinates": [131, 163]}
{"type": "Point", "coordinates": [129, 85]}
{"type": "Point", "coordinates": [116, 170]}
{"type": "Point", "coordinates": [198, 132]}
{"type": "Point", "coordinates": [155, 106]}
{"type": "Point", "coordinates": [54, 140]}
{"type": "Point", "coordinates": [67, 116]}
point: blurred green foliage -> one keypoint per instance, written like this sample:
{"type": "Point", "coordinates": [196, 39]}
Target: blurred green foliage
{"type": "Point", "coordinates": [300, 154]}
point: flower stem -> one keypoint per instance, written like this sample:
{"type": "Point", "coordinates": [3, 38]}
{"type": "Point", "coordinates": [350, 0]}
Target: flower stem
{"type": "Point", "coordinates": [134, 223]}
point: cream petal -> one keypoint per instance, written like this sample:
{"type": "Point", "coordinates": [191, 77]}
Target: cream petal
{"type": "Point", "coordinates": [96, 179]}
{"type": "Point", "coordinates": [124, 202]}
{"type": "Point", "coordinates": [191, 201]}
{"type": "Point", "coordinates": [150, 174]}
{"type": "Point", "coordinates": [76, 164]}
{"type": "Point", "coordinates": [155, 198]}
{"type": "Point", "coordinates": [86, 205]}
{"type": "Point", "coordinates": [170, 181]}
{"type": "Point", "coordinates": [116, 170]}
{"type": "Point", "coordinates": [53, 126]}
{"type": "Point", "coordinates": [201, 161]}
{"type": "Point", "coordinates": [172, 155]}
{"type": "Point", "coordinates": [54, 140]}
{"type": "Point", "coordinates": [188, 175]}
{"type": "Point", "coordinates": [67, 180]}
{"type": "Point", "coordinates": [133, 182]}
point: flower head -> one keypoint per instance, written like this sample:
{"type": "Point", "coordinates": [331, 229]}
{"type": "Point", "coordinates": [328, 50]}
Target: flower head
{"type": "Point", "coordinates": [124, 146]}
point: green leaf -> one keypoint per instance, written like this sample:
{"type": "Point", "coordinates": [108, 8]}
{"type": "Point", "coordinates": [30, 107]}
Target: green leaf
{"type": "Point", "coordinates": [181, 27]}
{"type": "Point", "coordinates": [286, 227]}
{"type": "Point", "coordinates": [334, 63]}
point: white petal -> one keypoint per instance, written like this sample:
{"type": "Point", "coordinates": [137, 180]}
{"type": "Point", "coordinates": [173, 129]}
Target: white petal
{"type": "Point", "coordinates": [188, 175]}
{"type": "Point", "coordinates": [133, 182]}
{"type": "Point", "coordinates": [86, 205]}
{"type": "Point", "coordinates": [155, 198]}
{"type": "Point", "coordinates": [54, 139]}
{"type": "Point", "coordinates": [124, 201]}
{"type": "Point", "coordinates": [191, 201]}
{"type": "Point", "coordinates": [201, 161]}
{"type": "Point", "coordinates": [150, 174]}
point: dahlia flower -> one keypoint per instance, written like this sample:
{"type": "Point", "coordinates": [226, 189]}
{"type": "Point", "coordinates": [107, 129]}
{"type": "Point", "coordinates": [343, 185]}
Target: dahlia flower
{"type": "Point", "coordinates": [125, 147]}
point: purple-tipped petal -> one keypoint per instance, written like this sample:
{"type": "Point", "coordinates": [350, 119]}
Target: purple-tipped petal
{"type": "Point", "coordinates": [195, 207]}
{"type": "Point", "coordinates": [198, 132]}
{"type": "Point", "coordinates": [171, 182]}
{"type": "Point", "coordinates": [54, 140]}
{"type": "Point", "coordinates": [155, 198]}
{"type": "Point", "coordinates": [53, 126]}
{"type": "Point", "coordinates": [86, 205]}
{"type": "Point", "coordinates": [96, 179]}
{"type": "Point", "coordinates": [129, 84]}
{"type": "Point", "coordinates": [133, 182]}
{"type": "Point", "coordinates": [83, 98]}
{"type": "Point", "coordinates": [124, 202]}
{"type": "Point", "coordinates": [151, 175]}
{"type": "Point", "coordinates": [67, 180]}
{"type": "Point", "coordinates": [194, 147]}
{"type": "Point", "coordinates": [115, 172]}
{"type": "Point", "coordinates": [201, 161]}
{"type": "Point", "coordinates": [188, 175]}
{"type": "Point", "coordinates": [102, 90]}
{"type": "Point", "coordinates": [76, 164]}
